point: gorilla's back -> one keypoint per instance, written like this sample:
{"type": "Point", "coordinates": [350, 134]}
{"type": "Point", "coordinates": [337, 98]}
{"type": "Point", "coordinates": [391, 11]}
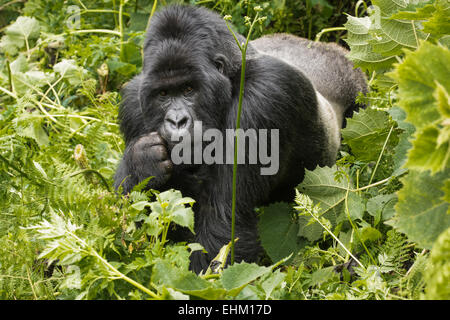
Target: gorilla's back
{"type": "Point", "coordinates": [325, 64]}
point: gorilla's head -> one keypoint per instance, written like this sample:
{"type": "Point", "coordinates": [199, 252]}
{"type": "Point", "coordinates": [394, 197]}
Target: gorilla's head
{"type": "Point", "coordinates": [189, 64]}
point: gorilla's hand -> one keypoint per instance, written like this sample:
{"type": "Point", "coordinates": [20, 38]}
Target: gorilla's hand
{"type": "Point", "coordinates": [149, 157]}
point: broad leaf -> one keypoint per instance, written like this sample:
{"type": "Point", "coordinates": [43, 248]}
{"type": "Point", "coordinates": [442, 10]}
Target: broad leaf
{"type": "Point", "coordinates": [322, 187]}
{"type": "Point", "coordinates": [423, 94]}
{"type": "Point", "coordinates": [417, 77]}
{"type": "Point", "coordinates": [375, 41]}
{"type": "Point", "coordinates": [278, 231]}
{"type": "Point", "coordinates": [421, 209]}
{"type": "Point", "coordinates": [237, 276]}
{"type": "Point", "coordinates": [438, 274]}
{"type": "Point", "coordinates": [184, 281]}
{"type": "Point", "coordinates": [366, 133]}
{"type": "Point", "coordinates": [426, 153]}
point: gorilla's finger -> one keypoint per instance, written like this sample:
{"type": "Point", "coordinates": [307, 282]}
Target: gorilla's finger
{"type": "Point", "coordinates": [166, 166]}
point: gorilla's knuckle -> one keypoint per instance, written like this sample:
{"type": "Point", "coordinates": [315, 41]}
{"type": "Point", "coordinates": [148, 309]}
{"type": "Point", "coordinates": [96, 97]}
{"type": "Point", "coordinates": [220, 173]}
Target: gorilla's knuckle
{"type": "Point", "coordinates": [166, 166]}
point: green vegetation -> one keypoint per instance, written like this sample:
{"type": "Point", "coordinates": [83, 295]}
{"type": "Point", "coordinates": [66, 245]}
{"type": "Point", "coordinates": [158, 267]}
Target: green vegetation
{"type": "Point", "coordinates": [374, 226]}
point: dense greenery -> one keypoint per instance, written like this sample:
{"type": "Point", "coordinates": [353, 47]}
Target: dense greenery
{"type": "Point", "coordinates": [374, 226]}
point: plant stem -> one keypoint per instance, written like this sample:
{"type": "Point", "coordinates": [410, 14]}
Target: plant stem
{"type": "Point", "coordinates": [107, 31]}
{"type": "Point", "coordinates": [9, 93]}
{"type": "Point", "coordinates": [236, 137]}
{"type": "Point", "coordinates": [381, 154]}
{"type": "Point", "coordinates": [122, 58]}
{"type": "Point", "coordinates": [155, 3]}
{"type": "Point", "coordinates": [238, 125]}
{"type": "Point", "coordinates": [28, 49]}
{"type": "Point", "coordinates": [11, 86]}
{"type": "Point", "coordinates": [87, 171]}
{"type": "Point", "coordinates": [347, 211]}
{"type": "Point", "coordinates": [335, 238]}
{"type": "Point", "coordinates": [327, 30]}
{"type": "Point", "coordinates": [372, 185]}
{"type": "Point", "coordinates": [124, 277]}
{"type": "Point", "coordinates": [116, 272]}
{"type": "Point", "coordinates": [22, 173]}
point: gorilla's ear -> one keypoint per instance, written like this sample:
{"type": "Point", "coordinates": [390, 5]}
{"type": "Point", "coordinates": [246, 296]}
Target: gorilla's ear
{"type": "Point", "coordinates": [221, 63]}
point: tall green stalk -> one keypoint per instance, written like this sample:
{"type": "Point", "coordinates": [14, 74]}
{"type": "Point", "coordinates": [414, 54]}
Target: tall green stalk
{"type": "Point", "coordinates": [121, 30]}
{"type": "Point", "coordinates": [243, 49]}
{"type": "Point", "coordinates": [238, 125]}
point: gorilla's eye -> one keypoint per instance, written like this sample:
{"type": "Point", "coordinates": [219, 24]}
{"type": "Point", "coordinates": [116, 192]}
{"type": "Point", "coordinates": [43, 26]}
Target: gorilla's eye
{"type": "Point", "coordinates": [163, 93]}
{"type": "Point", "coordinates": [188, 89]}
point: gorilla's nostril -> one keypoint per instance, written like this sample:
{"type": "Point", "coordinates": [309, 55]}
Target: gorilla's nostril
{"type": "Point", "coordinates": [177, 122]}
{"type": "Point", "coordinates": [183, 122]}
{"type": "Point", "coordinates": [172, 123]}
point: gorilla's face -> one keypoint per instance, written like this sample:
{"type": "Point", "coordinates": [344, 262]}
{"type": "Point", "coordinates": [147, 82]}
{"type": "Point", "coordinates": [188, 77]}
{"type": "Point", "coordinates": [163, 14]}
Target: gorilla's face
{"type": "Point", "coordinates": [181, 87]}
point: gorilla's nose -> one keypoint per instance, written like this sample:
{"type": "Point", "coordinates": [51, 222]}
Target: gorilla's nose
{"type": "Point", "coordinates": [177, 122]}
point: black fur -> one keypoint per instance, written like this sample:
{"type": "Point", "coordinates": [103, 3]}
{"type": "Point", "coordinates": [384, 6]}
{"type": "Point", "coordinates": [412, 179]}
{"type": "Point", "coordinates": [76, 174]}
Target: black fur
{"type": "Point", "coordinates": [193, 45]}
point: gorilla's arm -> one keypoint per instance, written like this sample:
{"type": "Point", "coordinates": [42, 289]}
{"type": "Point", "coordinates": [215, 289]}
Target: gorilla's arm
{"type": "Point", "coordinates": [145, 154]}
{"type": "Point", "coordinates": [276, 97]}
{"type": "Point", "coordinates": [131, 121]}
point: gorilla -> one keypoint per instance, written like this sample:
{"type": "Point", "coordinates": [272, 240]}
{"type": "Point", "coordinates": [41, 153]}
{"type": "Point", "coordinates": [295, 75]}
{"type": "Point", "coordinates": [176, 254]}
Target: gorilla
{"type": "Point", "coordinates": [191, 72]}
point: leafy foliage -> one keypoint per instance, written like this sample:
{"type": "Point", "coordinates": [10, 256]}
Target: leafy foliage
{"type": "Point", "coordinates": [359, 230]}
{"type": "Point", "coordinates": [439, 273]}
{"type": "Point", "coordinates": [423, 94]}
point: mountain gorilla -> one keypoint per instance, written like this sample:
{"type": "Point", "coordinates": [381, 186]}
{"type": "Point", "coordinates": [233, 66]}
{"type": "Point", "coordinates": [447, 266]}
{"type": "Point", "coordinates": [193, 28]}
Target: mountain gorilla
{"type": "Point", "coordinates": [191, 73]}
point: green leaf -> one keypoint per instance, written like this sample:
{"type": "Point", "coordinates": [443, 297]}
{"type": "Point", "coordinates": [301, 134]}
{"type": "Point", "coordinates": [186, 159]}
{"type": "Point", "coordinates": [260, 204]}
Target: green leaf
{"type": "Point", "coordinates": [443, 102]}
{"type": "Point", "coordinates": [403, 33]}
{"type": "Point", "coordinates": [311, 231]}
{"type": "Point", "coordinates": [417, 78]}
{"type": "Point", "coordinates": [381, 207]}
{"type": "Point", "coordinates": [11, 45]}
{"type": "Point", "coordinates": [323, 275]}
{"type": "Point", "coordinates": [421, 210]}
{"type": "Point", "coordinates": [174, 208]}
{"type": "Point", "coordinates": [69, 70]}
{"type": "Point", "coordinates": [140, 205]}
{"type": "Point", "coordinates": [355, 206]}
{"type": "Point", "coordinates": [183, 217]}
{"type": "Point", "coordinates": [123, 68]}
{"type": "Point", "coordinates": [435, 17]}
{"type": "Point", "coordinates": [278, 231]}
{"type": "Point", "coordinates": [366, 133]}
{"type": "Point", "coordinates": [423, 94]}
{"type": "Point", "coordinates": [376, 40]}
{"type": "Point", "coordinates": [362, 53]}
{"type": "Point", "coordinates": [24, 28]}
{"type": "Point", "coordinates": [446, 197]}
{"type": "Point", "coordinates": [401, 150]}
{"type": "Point", "coordinates": [370, 233]}
{"type": "Point", "coordinates": [184, 281]}
{"type": "Point", "coordinates": [426, 154]}
{"type": "Point", "coordinates": [438, 274]}
{"type": "Point", "coordinates": [237, 276]}
{"type": "Point", "coordinates": [322, 187]}
{"type": "Point", "coordinates": [272, 281]}
{"type": "Point", "coordinates": [138, 21]}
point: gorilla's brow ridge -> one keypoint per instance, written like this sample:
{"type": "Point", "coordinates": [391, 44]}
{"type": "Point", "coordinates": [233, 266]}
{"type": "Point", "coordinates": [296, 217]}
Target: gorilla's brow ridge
{"type": "Point", "coordinates": [173, 79]}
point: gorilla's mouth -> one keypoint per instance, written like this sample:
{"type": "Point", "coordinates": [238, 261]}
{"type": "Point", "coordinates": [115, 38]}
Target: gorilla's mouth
{"type": "Point", "coordinates": [199, 146]}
